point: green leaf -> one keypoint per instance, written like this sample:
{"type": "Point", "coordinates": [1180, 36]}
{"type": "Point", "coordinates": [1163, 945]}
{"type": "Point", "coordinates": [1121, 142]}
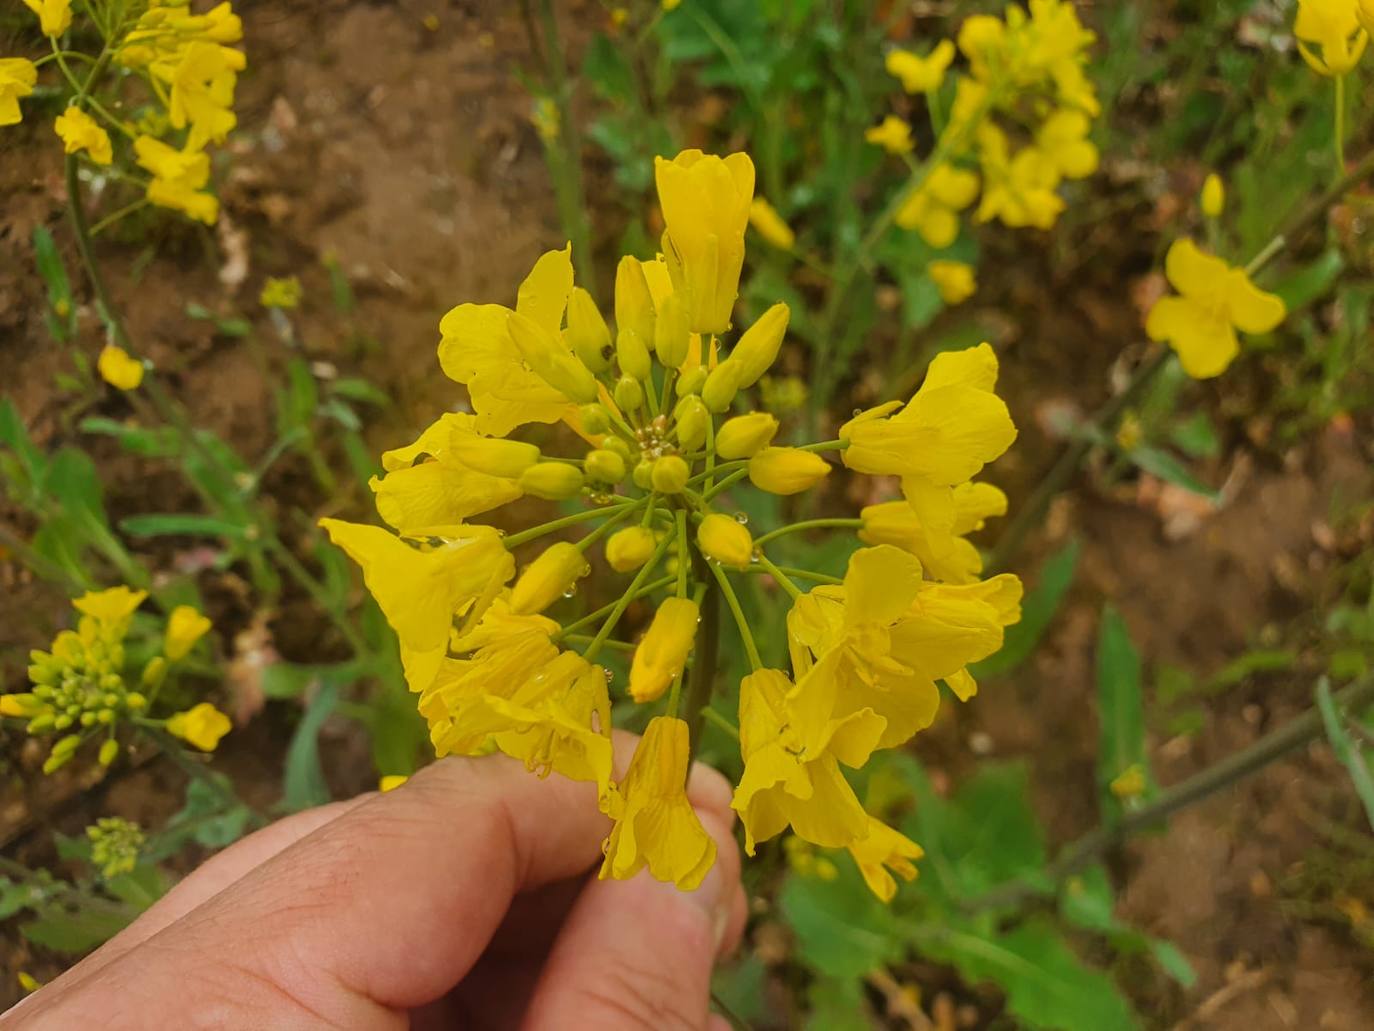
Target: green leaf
{"type": "Point", "coordinates": [1241, 669]}
{"type": "Point", "coordinates": [1196, 436]}
{"type": "Point", "coordinates": [1168, 468]}
{"type": "Point", "coordinates": [1173, 962]}
{"type": "Point", "coordinates": [606, 68]}
{"type": "Point", "coordinates": [76, 930]}
{"type": "Point", "coordinates": [13, 897]}
{"type": "Point", "coordinates": [1120, 708]}
{"type": "Point", "coordinates": [1347, 751]}
{"type": "Point", "coordinates": [740, 985]}
{"type": "Point", "coordinates": [358, 389]}
{"type": "Point", "coordinates": [1046, 984]}
{"type": "Point", "coordinates": [61, 309]}
{"type": "Point", "coordinates": [205, 818]}
{"type": "Point", "coordinates": [156, 442]}
{"type": "Point", "coordinates": [837, 1004]}
{"type": "Point", "coordinates": [1038, 610]}
{"type": "Point", "coordinates": [173, 524]}
{"type": "Point", "coordinates": [842, 930]}
{"type": "Point", "coordinates": [72, 481]}
{"type": "Point", "coordinates": [1087, 901]}
{"type": "Point", "coordinates": [304, 784]}
{"type": "Point", "coordinates": [140, 887]}
{"type": "Point", "coordinates": [1312, 282]}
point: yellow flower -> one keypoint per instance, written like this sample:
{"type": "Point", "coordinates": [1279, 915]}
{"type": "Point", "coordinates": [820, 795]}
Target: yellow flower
{"type": "Point", "coordinates": [663, 653]}
{"type": "Point", "coordinates": [920, 74]}
{"type": "Point", "coordinates": [1063, 139]}
{"type": "Point", "coordinates": [880, 849]}
{"type": "Point", "coordinates": [1019, 190]}
{"type": "Point", "coordinates": [726, 540]}
{"type": "Point", "coordinates": [933, 208]}
{"type": "Point", "coordinates": [944, 554]}
{"type": "Point", "coordinates": [112, 607]}
{"type": "Point", "coordinates": [54, 16]}
{"type": "Point", "coordinates": [548, 578]}
{"type": "Point", "coordinates": [17, 79]}
{"type": "Point", "coordinates": [1364, 10]}
{"type": "Point", "coordinates": [391, 781]}
{"type": "Point", "coordinates": [1216, 301]}
{"type": "Point", "coordinates": [280, 292]}
{"type": "Point", "coordinates": [893, 134]}
{"type": "Point", "coordinates": [545, 119]}
{"type": "Point", "coordinates": [705, 201]}
{"type": "Point", "coordinates": [954, 279]}
{"type": "Point", "coordinates": [755, 352]}
{"type": "Point", "coordinates": [630, 548]}
{"type": "Point", "coordinates": [1330, 37]}
{"type": "Point", "coordinates": [770, 225]}
{"type": "Point", "coordinates": [202, 726]}
{"type": "Point", "coordinates": [478, 351]}
{"type": "Point", "coordinates": [28, 982]}
{"type": "Point", "coordinates": [179, 178]}
{"type": "Point", "coordinates": [79, 131]}
{"type": "Point", "coordinates": [118, 368]}
{"type": "Point", "coordinates": [745, 435]}
{"type": "Point", "coordinates": [420, 587]}
{"type": "Point", "coordinates": [792, 747]}
{"type": "Point", "coordinates": [1213, 198]}
{"type": "Point", "coordinates": [655, 825]}
{"type": "Point", "coordinates": [203, 92]}
{"type": "Point", "coordinates": [787, 470]}
{"type": "Point", "coordinates": [185, 626]}
{"type": "Point", "coordinates": [1130, 783]}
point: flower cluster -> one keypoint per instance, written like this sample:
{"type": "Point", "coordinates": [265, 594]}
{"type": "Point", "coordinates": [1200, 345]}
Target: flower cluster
{"type": "Point", "coordinates": [83, 690]}
{"type": "Point", "coordinates": [189, 66]}
{"type": "Point", "coordinates": [661, 407]}
{"type": "Point", "coordinates": [1017, 127]}
{"type": "Point", "coordinates": [115, 845]}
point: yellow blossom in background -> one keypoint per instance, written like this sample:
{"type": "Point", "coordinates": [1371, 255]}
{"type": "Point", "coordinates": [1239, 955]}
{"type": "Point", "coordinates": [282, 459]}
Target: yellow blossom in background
{"type": "Point", "coordinates": [655, 825]}
{"type": "Point", "coordinates": [118, 368]}
{"type": "Point", "coordinates": [179, 178]}
{"type": "Point", "coordinates": [933, 208]}
{"type": "Point", "coordinates": [671, 5]}
{"type": "Point", "coordinates": [54, 16]}
{"type": "Point", "coordinates": [1063, 139]}
{"type": "Point", "coordinates": [17, 79]}
{"type": "Point", "coordinates": [28, 982]}
{"type": "Point", "coordinates": [770, 225]}
{"type": "Point", "coordinates": [201, 726]}
{"type": "Point", "coordinates": [280, 292]}
{"type": "Point", "coordinates": [706, 202]}
{"type": "Point", "coordinates": [79, 131]}
{"type": "Point", "coordinates": [883, 852]}
{"type": "Point", "coordinates": [1018, 189]}
{"type": "Point", "coordinates": [545, 119]}
{"type": "Point", "coordinates": [203, 92]}
{"type": "Point", "coordinates": [893, 134]}
{"type": "Point", "coordinates": [1215, 301]}
{"type": "Point", "coordinates": [954, 279]}
{"type": "Point", "coordinates": [1213, 197]}
{"type": "Point", "coordinates": [1330, 36]}
{"type": "Point", "coordinates": [391, 781]}
{"type": "Point", "coordinates": [185, 626]}
{"type": "Point", "coordinates": [920, 74]}
{"type": "Point", "coordinates": [1130, 783]}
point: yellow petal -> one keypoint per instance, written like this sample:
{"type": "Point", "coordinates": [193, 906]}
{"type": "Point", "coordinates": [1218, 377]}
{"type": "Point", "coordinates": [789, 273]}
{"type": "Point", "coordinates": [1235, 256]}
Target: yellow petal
{"type": "Point", "coordinates": [1251, 309]}
{"type": "Point", "coordinates": [543, 296]}
{"type": "Point", "coordinates": [1193, 273]}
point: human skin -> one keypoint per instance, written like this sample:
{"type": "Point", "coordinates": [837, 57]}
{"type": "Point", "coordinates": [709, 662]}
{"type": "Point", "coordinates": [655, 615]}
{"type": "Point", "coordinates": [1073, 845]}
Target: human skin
{"type": "Point", "coordinates": [467, 898]}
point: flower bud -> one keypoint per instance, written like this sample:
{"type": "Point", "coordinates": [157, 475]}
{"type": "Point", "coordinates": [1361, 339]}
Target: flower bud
{"type": "Point", "coordinates": [632, 353]}
{"type": "Point", "coordinates": [617, 445]}
{"type": "Point", "coordinates": [726, 540]}
{"type": "Point", "coordinates": [552, 481]}
{"type": "Point", "coordinates": [745, 435]}
{"type": "Point", "coordinates": [691, 382]}
{"type": "Point", "coordinates": [630, 548]}
{"type": "Point", "coordinates": [670, 475]}
{"type": "Point", "coordinates": [587, 332]}
{"type": "Point", "coordinates": [721, 386]}
{"type": "Point", "coordinates": [662, 654]}
{"type": "Point", "coordinates": [109, 751]}
{"type": "Point", "coordinates": [671, 335]}
{"type": "Point", "coordinates": [1213, 198]}
{"type": "Point", "coordinates": [758, 347]}
{"type": "Point", "coordinates": [547, 578]}
{"type": "Point", "coordinates": [634, 304]}
{"type": "Point", "coordinates": [604, 465]}
{"type": "Point", "coordinates": [692, 420]}
{"type": "Point", "coordinates": [594, 418]}
{"type": "Point", "coordinates": [629, 395]}
{"type": "Point", "coordinates": [494, 456]}
{"type": "Point", "coordinates": [643, 474]}
{"type": "Point", "coordinates": [787, 470]}
{"type": "Point", "coordinates": [550, 361]}
{"type": "Point", "coordinates": [154, 672]}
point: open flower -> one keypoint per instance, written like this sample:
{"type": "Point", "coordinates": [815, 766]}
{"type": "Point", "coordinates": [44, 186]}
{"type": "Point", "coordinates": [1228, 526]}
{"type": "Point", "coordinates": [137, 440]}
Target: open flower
{"type": "Point", "coordinates": [882, 852]}
{"type": "Point", "coordinates": [202, 726]}
{"type": "Point", "coordinates": [179, 178]}
{"type": "Point", "coordinates": [54, 16]}
{"type": "Point", "coordinates": [933, 208]}
{"type": "Point", "coordinates": [893, 134]}
{"type": "Point", "coordinates": [920, 74]}
{"type": "Point", "coordinates": [1215, 301]}
{"type": "Point", "coordinates": [943, 551]}
{"type": "Point", "coordinates": [1330, 36]}
{"type": "Point", "coordinates": [17, 79]}
{"type": "Point", "coordinates": [79, 131]}
{"type": "Point", "coordinates": [118, 368]}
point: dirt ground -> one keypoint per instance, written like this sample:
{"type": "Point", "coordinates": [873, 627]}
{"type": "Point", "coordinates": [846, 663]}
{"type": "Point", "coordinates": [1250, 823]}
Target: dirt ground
{"type": "Point", "coordinates": [405, 152]}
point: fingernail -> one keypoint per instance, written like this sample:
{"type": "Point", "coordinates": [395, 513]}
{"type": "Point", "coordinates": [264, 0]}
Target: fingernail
{"type": "Point", "coordinates": [711, 897]}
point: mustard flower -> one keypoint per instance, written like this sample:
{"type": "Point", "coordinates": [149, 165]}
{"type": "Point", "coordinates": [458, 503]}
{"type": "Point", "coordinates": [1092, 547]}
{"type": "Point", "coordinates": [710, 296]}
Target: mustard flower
{"type": "Point", "coordinates": [757, 349]}
{"type": "Point", "coordinates": [1215, 300]}
{"type": "Point", "coordinates": [745, 435]}
{"type": "Point", "coordinates": [17, 79]}
{"type": "Point", "coordinates": [933, 208]}
{"type": "Point", "coordinates": [203, 92]}
{"type": "Point", "coordinates": [185, 626]}
{"type": "Point", "coordinates": [1017, 189]}
{"type": "Point", "coordinates": [391, 781]}
{"type": "Point", "coordinates": [770, 225]}
{"type": "Point", "coordinates": [944, 552]}
{"type": "Point", "coordinates": [893, 134]}
{"type": "Point", "coordinates": [118, 368]}
{"type": "Point", "coordinates": [954, 279]}
{"type": "Point", "coordinates": [79, 131]}
{"type": "Point", "coordinates": [1330, 36]}
{"type": "Point", "coordinates": [662, 654]}
{"type": "Point", "coordinates": [202, 726]}
{"type": "Point", "coordinates": [1063, 139]}
{"type": "Point", "coordinates": [882, 852]}
{"type": "Point", "coordinates": [920, 74]}
{"type": "Point", "coordinates": [630, 548]}
{"type": "Point", "coordinates": [280, 292]}
{"type": "Point", "coordinates": [54, 16]}
{"type": "Point", "coordinates": [1213, 197]}
{"type": "Point", "coordinates": [179, 178]}
{"type": "Point", "coordinates": [548, 578]}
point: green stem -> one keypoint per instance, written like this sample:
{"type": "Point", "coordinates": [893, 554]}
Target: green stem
{"type": "Point", "coordinates": [618, 609]}
{"type": "Point", "coordinates": [317, 591]}
{"type": "Point", "coordinates": [516, 539]}
{"type": "Point", "coordinates": [780, 576]}
{"type": "Point", "coordinates": [809, 524]}
{"type": "Point", "coordinates": [614, 645]}
{"type": "Point", "coordinates": [111, 219]}
{"type": "Point", "coordinates": [1340, 127]}
{"type": "Point", "coordinates": [725, 484]}
{"type": "Point", "coordinates": [711, 716]}
{"type": "Point", "coordinates": [592, 617]}
{"type": "Point", "coordinates": [199, 771]}
{"type": "Point", "coordinates": [605, 528]}
{"type": "Point", "coordinates": [795, 572]}
{"type": "Point", "coordinates": [705, 653]}
{"type": "Point", "coordinates": [732, 600]}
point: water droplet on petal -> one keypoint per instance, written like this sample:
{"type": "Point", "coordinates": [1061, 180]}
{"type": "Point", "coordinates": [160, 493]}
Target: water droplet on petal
{"type": "Point", "coordinates": [742, 518]}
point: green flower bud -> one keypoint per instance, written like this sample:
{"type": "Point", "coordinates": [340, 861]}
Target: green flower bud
{"type": "Point", "coordinates": [552, 481]}
{"type": "Point", "coordinates": [643, 474]}
{"type": "Point", "coordinates": [721, 386]}
{"type": "Point", "coordinates": [109, 751]}
{"type": "Point", "coordinates": [692, 421]}
{"type": "Point", "coordinates": [745, 435]}
{"type": "Point", "coordinates": [135, 702]}
{"type": "Point", "coordinates": [605, 465]}
{"type": "Point", "coordinates": [671, 335]}
{"type": "Point", "coordinates": [619, 446]}
{"type": "Point", "coordinates": [153, 674]}
{"type": "Point", "coordinates": [587, 332]}
{"type": "Point", "coordinates": [629, 395]}
{"type": "Point", "coordinates": [758, 347]}
{"type": "Point", "coordinates": [691, 382]}
{"type": "Point", "coordinates": [595, 419]}
{"type": "Point", "coordinates": [670, 474]}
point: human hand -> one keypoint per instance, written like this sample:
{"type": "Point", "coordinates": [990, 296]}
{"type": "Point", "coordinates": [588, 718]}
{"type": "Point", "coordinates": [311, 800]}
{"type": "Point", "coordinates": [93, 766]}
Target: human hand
{"type": "Point", "coordinates": [461, 899]}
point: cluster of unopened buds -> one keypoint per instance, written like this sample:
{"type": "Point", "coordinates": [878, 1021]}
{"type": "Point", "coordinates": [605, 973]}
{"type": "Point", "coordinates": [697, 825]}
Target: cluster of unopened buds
{"type": "Point", "coordinates": [503, 659]}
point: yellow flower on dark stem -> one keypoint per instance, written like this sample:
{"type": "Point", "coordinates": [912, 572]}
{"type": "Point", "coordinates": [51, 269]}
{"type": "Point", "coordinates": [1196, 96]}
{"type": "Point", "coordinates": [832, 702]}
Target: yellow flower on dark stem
{"type": "Point", "coordinates": [933, 208]}
{"type": "Point", "coordinates": [203, 92]}
{"type": "Point", "coordinates": [663, 653]}
{"type": "Point", "coordinates": [54, 16]}
{"type": "Point", "coordinates": [893, 134]}
{"type": "Point", "coordinates": [79, 131]}
{"type": "Point", "coordinates": [1215, 301]}
{"type": "Point", "coordinates": [920, 74]}
{"type": "Point", "coordinates": [202, 726]}
{"type": "Point", "coordinates": [118, 368]}
{"type": "Point", "coordinates": [655, 825]}
{"type": "Point", "coordinates": [770, 225]}
{"type": "Point", "coordinates": [880, 854]}
{"type": "Point", "coordinates": [17, 79]}
{"type": "Point", "coordinates": [1330, 36]}
{"type": "Point", "coordinates": [179, 178]}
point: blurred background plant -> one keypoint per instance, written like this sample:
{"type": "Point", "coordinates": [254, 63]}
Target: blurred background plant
{"type": "Point", "coordinates": [1198, 550]}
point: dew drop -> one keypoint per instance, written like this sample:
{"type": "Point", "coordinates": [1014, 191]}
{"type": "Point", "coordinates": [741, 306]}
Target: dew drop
{"type": "Point", "coordinates": [570, 592]}
{"type": "Point", "coordinates": [742, 518]}
{"type": "Point", "coordinates": [857, 412]}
